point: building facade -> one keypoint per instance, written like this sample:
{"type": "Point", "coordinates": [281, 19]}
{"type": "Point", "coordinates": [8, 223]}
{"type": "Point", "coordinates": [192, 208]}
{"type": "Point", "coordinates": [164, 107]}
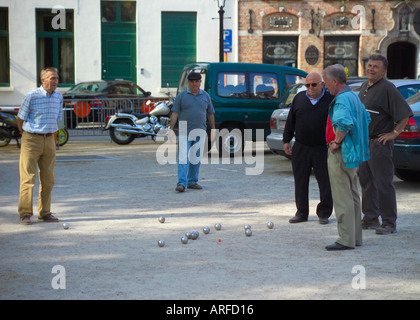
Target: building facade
{"type": "Point", "coordinates": [312, 34]}
{"type": "Point", "coordinates": [148, 42]}
{"type": "Point", "coordinates": [145, 41]}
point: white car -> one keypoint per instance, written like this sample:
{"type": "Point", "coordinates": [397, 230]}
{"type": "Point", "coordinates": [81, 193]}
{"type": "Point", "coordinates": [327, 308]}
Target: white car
{"type": "Point", "coordinates": [278, 120]}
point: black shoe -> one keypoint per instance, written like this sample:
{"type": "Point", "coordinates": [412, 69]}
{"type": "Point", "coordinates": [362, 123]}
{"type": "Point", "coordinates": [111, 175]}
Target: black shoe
{"type": "Point", "coordinates": [384, 229]}
{"type": "Point", "coordinates": [195, 186]}
{"type": "Point", "coordinates": [336, 247]}
{"type": "Point", "coordinates": [297, 219]}
{"type": "Point", "coordinates": [370, 224]}
{"type": "Point", "coordinates": [323, 221]}
{"type": "Point", "coordinates": [180, 188]}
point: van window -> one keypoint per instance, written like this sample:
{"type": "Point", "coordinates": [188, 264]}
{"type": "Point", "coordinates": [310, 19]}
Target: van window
{"type": "Point", "coordinates": [292, 79]}
{"type": "Point", "coordinates": [183, 82]}
{"type": "Point", "coordinates": [232, 85]}
{"type": "Point", "coordinates": [263, 85]}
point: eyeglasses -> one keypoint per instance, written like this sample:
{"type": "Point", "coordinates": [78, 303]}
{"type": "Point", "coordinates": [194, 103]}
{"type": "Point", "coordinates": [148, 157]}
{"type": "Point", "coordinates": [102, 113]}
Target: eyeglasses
{"type": "Point", "coordinates": [307, 85]}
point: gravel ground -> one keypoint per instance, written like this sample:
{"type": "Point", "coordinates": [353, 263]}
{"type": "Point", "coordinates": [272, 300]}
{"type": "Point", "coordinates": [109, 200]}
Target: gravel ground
{"type": "Point", "coordinates": [112, 197]}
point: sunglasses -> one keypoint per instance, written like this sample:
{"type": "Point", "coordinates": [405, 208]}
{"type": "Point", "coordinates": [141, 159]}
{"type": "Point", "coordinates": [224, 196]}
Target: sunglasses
{"type": "Point", "coordinates": [307, 85]}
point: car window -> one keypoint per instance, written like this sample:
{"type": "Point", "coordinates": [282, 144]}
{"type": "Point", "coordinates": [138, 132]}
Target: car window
{"type": "Point", "coordinates": [232, 85]}
{"type": "Point", "coordinates": [409, 90]}
{"type": "Point", "coordinates": [88, 87]}
{"type": "Point", "coordinates": [292, 79]}
{"type": "Point", "coordinates": [414, 98]}
{"type": "Point", "coordinates": [120, 89]}
{"type": "Point", "coordinates": [263, 86]}
{"type": "Point", "coordinates": [136, 90]}
{"type": "Point", "coordinates": [287, 99]}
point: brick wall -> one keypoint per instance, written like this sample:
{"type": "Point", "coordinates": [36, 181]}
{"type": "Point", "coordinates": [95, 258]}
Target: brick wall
{"type": "Point", "coordinates": [299, 15]}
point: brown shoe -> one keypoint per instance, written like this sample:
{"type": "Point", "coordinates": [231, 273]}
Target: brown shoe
{"type": "Point", "coordinates": [180, 188]}
{"type": "Point", "coordinates": [48, 218]}
{"type": "Point", "coordinates": [25, 220]}
{"type": "Point", "coordinates": [195, 186]}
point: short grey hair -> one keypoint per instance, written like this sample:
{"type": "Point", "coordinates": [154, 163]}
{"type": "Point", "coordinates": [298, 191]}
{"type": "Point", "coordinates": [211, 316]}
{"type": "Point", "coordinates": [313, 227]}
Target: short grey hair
{"type": "Point", "coordinates": [45, 71]}
{"type": "Point", "coordinates": [335, 71]}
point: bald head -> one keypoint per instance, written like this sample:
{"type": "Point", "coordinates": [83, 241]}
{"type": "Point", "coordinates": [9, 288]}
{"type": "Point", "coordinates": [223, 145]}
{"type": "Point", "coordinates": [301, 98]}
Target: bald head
{"type": "Point", "coordinates": [314, 85]}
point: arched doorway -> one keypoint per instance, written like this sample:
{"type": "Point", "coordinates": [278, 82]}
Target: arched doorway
{"type": "Point", "coordinates": [402, 60]}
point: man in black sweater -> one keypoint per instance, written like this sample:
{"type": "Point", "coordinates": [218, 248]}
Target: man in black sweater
{"type": "Point", "coordinates": [306, 122]}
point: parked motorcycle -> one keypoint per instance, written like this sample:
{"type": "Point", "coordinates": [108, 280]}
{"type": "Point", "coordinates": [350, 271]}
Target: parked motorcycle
{"type": "Point", "coordinates": [125, 126]}
{"type": "Point", "coordinates": [9, 130]}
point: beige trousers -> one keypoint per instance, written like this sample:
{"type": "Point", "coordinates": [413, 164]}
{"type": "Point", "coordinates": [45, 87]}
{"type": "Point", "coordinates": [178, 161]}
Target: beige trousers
{"type": "Point", "coordinates": [346, 200]}
{"type": "Point", "coordinates": [37, 152]}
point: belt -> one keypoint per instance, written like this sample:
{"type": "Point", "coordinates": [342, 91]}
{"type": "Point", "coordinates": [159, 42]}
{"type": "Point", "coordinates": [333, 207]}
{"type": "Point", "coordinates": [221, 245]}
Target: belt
{"type": "Point", "coordinates": [46, 135]}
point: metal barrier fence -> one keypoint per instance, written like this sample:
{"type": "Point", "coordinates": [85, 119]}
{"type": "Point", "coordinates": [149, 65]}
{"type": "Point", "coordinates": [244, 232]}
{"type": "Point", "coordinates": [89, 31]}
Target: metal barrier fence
{"type": "Point", "coordinates": [88, 116]}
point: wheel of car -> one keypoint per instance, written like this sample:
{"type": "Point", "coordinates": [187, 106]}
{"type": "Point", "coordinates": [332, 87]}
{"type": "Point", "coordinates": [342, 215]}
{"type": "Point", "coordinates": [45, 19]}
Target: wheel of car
{"type": "Point", "coordinates": [121, 137]}
{"type": "Point", "coordinates": [407, 175]}
{"type": "Point", "coordinates": [231, 142]}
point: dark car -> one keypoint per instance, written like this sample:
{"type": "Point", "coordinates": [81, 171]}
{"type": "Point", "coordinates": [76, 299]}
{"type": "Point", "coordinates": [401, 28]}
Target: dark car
{"type": "Point", "coordinates": [92, 101]}
{"type": "Point", "coordinates": [407, 145]}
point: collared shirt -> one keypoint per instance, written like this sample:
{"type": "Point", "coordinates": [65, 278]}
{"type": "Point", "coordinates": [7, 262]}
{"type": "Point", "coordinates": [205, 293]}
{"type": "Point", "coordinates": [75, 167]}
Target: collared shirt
{"type": "Point", "coordinates": [193, 109]}
{"type": "Point", "coordinates": [40, 111]}
{"type": "Point", "coordinates": [315, 101]}
{"type": "Point", "coordinates": [385, 105]}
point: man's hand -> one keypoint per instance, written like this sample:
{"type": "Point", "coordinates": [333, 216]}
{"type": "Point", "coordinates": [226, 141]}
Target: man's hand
{"type": "Point", "coordinates": [287, 149]}
{"type": "Point", "coordinates": [334, 146]}
{"type": "Point", "coordinates": [172, 136]}
{"type": "Point", "coordinates": [384, 137]}
{"type": "Point", "coordinates": [212, 135]}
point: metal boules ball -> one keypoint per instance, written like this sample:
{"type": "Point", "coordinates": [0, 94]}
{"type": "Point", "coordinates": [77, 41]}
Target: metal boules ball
{"type": "Point", "coordinates": [248, 232]}
{"type": "Point", "coordinates": [206, 230]}
{"type": "Point", "coordinates": [66, 225]}
{"type": "Point", "coordinates": [188, 235]}
{"type": "Point", "coordinates": [161, 243]}
{"type": "Point", "coordinates": [161, 219]}
{"type": "Point", "coordinates": [270, 225]}
{"type": "Point", "coordinates": [218, 226]}
{"type": "Point", "coordinates": [247, 226]}
{"type": "Point", "coordinates": [194, 235]}
{"type": "Point", "coordinates": [184, 240]}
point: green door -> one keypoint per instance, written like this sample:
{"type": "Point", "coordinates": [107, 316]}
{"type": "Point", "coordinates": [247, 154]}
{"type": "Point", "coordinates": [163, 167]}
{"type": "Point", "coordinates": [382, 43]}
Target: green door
{"type": "Point", "coordinates": [119, 40]}
{"type": "Point", "coordinates": [179, 44]}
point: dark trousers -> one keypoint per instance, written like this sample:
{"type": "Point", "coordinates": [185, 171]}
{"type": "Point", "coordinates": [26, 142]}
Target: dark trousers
{"type": "Point", "coordinates": [376, 178]}
{"type": "Point", "coordinates": [304, 158]}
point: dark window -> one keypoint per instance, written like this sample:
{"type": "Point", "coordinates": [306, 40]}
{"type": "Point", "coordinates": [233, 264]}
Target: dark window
{"type": "Point", "coordinates": [344, 51]}
{"type": "Point", "coordinates": [280, 50]}
{"type": "Point", "coordinates": [4, 48]}
{"type": "Point", "coordinates": [55, 43]}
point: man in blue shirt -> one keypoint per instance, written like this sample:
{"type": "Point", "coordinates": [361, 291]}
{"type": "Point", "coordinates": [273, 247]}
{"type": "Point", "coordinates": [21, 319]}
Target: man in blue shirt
{"type": "Point", "coordinates": [192, 108]}
{"type": "Point", "coordinates": [350, 122]}
{"type": "Point", "coordinates": [37, 121]}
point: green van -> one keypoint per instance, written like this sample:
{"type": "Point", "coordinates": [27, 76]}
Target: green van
{"type": "Point", "coordinates": [244, 95]}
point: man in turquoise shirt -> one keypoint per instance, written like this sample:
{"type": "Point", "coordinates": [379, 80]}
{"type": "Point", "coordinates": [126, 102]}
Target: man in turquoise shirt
{"type": "Point", "coordinates": [350, 122]}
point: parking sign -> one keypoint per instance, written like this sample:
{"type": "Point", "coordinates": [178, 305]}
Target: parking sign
{"type": "Point", "coordinates": [227, 40]}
